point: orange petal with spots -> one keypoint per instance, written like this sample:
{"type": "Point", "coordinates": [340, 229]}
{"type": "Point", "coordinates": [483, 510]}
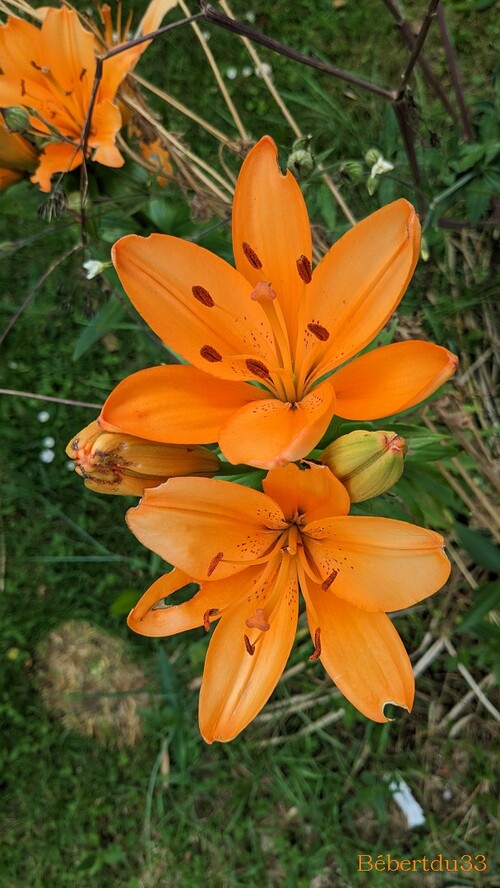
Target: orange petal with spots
{"type": "Point", "coordinates": [68, 49]}
{"type": "Point", "coordinates": [106, 123]}
{"type": "Point", "coordinates": [380, 564]}
{"type": "Point", "coordinates": [391, 379]}
{"type": "Point", "coordinates": [209, 528]}
{"type": "Point", "coordinates": [311, 491]}
{"type": "Point", "coordinates": [270, 217]}
{"type": "Point", "coordinates": [174, 404]}
{"type": "Point", "coordinates": [57, 157]}
{"type": "Point", "coordinates": [194, 301]}
{"type": "Point", "coordinates": [360, 282]}
{"type": "Point", "coordinates": [236, 683]}
{"type": "Point", "coordinates": [270, 433]}
{"type": "Point", "coordinates": [362, 653]}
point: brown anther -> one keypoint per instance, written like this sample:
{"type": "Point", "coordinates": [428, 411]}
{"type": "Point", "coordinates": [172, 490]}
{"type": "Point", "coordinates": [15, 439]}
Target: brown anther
{"type": "Point", "coordinates": [258, 621]}
{"type": "Point", "coordinates": [210, 354]}
{"type": "Point", "coordinates": [304, 269]}
{"type": "Point", "coordinates": [211, 612]}
{"type": "Point", "coordinates": [40, 67]}
{"type": "Point", "coordinates": [319, 332]}
{"type": "Point", "coordinates": [329, 580]}
{"type": "Point", "coordinates": [317, 645]}
{"type": "Point", "coordinates": [258, 368]}
{"type": "Point", "coordinates": [214, 562]}
{"type": "Point", "coordinates": [202, 296]}
{"type": "Point", "coordinates": [251, 255]}
{"type": "Point", "coordinates": [23, 87]}
{"type": "Point", "coordinates": [83, 73]}
{"type": "Point", "coordinates": [249, 646]}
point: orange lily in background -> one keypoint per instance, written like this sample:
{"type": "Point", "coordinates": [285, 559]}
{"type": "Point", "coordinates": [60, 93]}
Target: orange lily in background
{"type": "Point", "coordinates": [50, 71]}
{"type": "Point", "coordinates": [250, 552]}
{"type": "Point", "coordinates": [262, 337]}
{"type": "Point", "coordinates": [123, 464]}
{"type": "Point", "coordinates": [17, 156]}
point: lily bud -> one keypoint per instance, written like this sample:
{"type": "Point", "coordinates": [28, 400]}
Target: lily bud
{"type": "Point", "coordinates": [367, 463]}
{"type": "Point", "coordinates": [112, 462]}
{"type": "Point", "coordinates": [17, 119]}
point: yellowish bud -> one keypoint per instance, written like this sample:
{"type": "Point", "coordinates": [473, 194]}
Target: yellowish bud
{"type": "Point", "coordinates": [112, 462]}
{"type": "Point", "coordinates": [367, 463]}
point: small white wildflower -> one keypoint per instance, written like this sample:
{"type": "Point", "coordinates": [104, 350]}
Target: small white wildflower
{"type": "Point", "coordinates": [247, 71]}
{"type": "Point", "coordinates": [231, 73]}
{"type": "Point", "coordinates": [380, 167]}
{"type": "Point", "coordinates": [48, 441]}
{"type": "Point", "coordinates": [46, 456]}
{"type": "Point", "coordinates": [70, 465]}
{"type": "Point", "coordinates": [43, 416]}
{"type": "Point", "coordinates": [250, 16]}
{"type": "Point", "coordinates": [93, 267]}
{"type": "Point", "coordinates": [206, 35]}
{"type": "Point", "coordinates": [262, 69]}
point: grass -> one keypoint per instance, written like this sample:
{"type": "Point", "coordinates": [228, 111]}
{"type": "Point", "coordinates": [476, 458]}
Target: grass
{"type": "Point", "coordinates": [304, 791]}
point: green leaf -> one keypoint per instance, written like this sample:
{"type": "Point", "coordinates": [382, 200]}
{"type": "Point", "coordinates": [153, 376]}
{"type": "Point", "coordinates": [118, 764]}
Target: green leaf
{"type": "Point", "coordinates": [105, 320]}
{"type": "Point", "coordinates": [124, 602]}
{"type": "Point", "coordinates": [479, 547]}
{"type": "Point", "coordinates": [485, 600]}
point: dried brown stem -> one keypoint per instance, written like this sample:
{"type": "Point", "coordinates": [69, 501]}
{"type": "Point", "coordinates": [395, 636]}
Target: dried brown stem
{"type": "Point", "coordinates": [465, 124]}
{"type": "Point", "coordinates": [419, 42]}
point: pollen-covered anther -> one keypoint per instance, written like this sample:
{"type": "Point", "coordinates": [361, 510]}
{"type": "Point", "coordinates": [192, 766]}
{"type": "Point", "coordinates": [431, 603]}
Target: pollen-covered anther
{"type": "Point", "coordinates": [251, 255]}
{"type": "Point", "coordinates": [304, 269]}
{"type": "Point", "coordinates": [211, 612]}
{"type": "Point", "coordinates": [258, 621]}
{"type": "Point", "coordinates": [203, 296]}
{"type": "Point", "coordinates": [249, 646]}
{"type": "Point", "coordinates": [317, 645]}
{"type": "Point", "coordinates": [263, 291]}
{"type": "Point", "coordinates": [214, 562]}
{"type": "Point", "coordinates": [329, 580]}
{"type": "Point", "coordinates": [83, 73]}
{"type": "Point", "coordinates": [210, 354]}
{"type": "Point", "coordinates": [258, 368]}
{"type": "Point", "coordinates": [319, 332]}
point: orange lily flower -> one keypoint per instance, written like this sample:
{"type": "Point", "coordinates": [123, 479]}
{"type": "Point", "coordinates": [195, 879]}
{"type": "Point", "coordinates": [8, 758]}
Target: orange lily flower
{"type": "Point", "coordinates": [17, 156]}
{"type": "Point", "coordinates": [250, 552]}
{"type": "Point", "coordinates": [50, 71]}
{"type": "Point", "coordinates": [263, 337]}
{"type": "Point", "coordinates": [122, 464]}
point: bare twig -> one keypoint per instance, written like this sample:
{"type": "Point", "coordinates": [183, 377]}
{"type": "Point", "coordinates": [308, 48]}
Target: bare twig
{"type": "Point", "coordinates": [473, 684]}
{"type": "Point", "coordinates": [419, 42]}
{"type": "Point", "coordinates": [465, 127]}
{"type": "Point", "coordinates": [37, 397]}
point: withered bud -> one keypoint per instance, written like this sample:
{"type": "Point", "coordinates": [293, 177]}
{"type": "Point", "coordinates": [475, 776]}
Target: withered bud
{"type": "Point", "coordinates": [367, 463]}
{"type": "Point", "coordinates": [112, 462]}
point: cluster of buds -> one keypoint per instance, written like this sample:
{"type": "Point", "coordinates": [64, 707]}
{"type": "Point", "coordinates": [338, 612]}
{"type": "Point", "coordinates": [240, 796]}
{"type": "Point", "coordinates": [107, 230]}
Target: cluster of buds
{"type": "Point", "coordinates": [112, 462]}
{"type": "Point", "coordinates": [367, 463]}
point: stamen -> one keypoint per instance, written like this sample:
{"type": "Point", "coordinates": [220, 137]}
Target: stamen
{"type": "Point", "coordinates": [211, 612]}
{"type": "Point", "coordinates": [258, 621]}
{"type": "Point", "coordinates": [83, 73]}
{"type": "Point", "coordinates": [23, 87]}
{"type": "Point", "coordinates": [40, 68]}
{"type": "Point", "coordinates": [304, 269]}
{"type": "Point", "coordinates": [202, 296]}
{"type": "Point", "coordinates": [251, 255]}
{"type": "Point", "coordinates": [329, 580]}
{"type": "Point", "coordinates": [258, 369]}
{"type": "Point", "coordinates": [317, 645]}
{"type": "Point", "coordinates": [249, 646]}
{"type": "Point", "coordinates": [263, 290]}
{"type": "Point", "coordinates": [214, 562]}
{"type": "Point", "coordinates": [210, 354]}
{"type": "Point", "coordinates": [319, 332]}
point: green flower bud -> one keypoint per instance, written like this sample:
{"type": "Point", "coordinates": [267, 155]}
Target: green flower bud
{"type": "Point", "coordinates": [367, 463]}
{"type": "Point", "coordinates": [372, 155]}
{"type": "Point", "coordinates": [353, 169]}
{"type": "Point", "coordinates": [301, 163]}
{"type": "Point", "coordinates": [17, 120]}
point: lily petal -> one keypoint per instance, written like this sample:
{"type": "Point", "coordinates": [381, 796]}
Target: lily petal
{"type": "Point", "coordinates": [106, 123]}
{"type": "Point", "coordinates": [57, 157]}
{"type": "Point", "coordinates": [359, 283]}
{"type": "Point", "coordinates": [67, 50]}
{"type": "Point", "coordinates": [362, 653]}
{"type": "Point", "coordinates": [174, 404]}
{"type": "Point", "coordinates": [241, 673]}
{"type": "Point", "coordinates": [207, 527]}
{"type": "Point", "coordinates": [270, 217]}
{"type": "Point", "coordinates": [271, 433]}
{"type": "Point", "coordinates": [377, 564]}
{"type": "Point", "coordinates": [196, 302]}
{"type": "Point", "coordinates": [312, 491]}
{"type": "Point", "coordinates": [390, 379]}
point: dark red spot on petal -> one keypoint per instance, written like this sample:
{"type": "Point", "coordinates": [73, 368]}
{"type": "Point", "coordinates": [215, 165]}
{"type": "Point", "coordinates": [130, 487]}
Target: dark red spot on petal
{"type": "Point", "coordinates": [249, 646]}
{"type": "Point", "coordinates": [210, 354]}
{"type": "Point", "coordinates": [251, 255]}
{"type": "Point", "coordinates": [304, 269]}
{"type": "Point", "coordinates": [202, 296]}
{"type": "Point", "coordinates": [211, 612]}
{"type": "Point", "coordinates": [83, 73]}
{"type": "Point", "coordinates": [317, 645]}
{"type": "Point", "coordinates": [319, 332]}
{"type": "Point", "coordinates": [214, 562]}
{"type": "Point", "coordinates": [23, 87]}
{"type": "Point", "coordinates": [329, 580]}
{"type": "Point", "coordinates": [258, 368]}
